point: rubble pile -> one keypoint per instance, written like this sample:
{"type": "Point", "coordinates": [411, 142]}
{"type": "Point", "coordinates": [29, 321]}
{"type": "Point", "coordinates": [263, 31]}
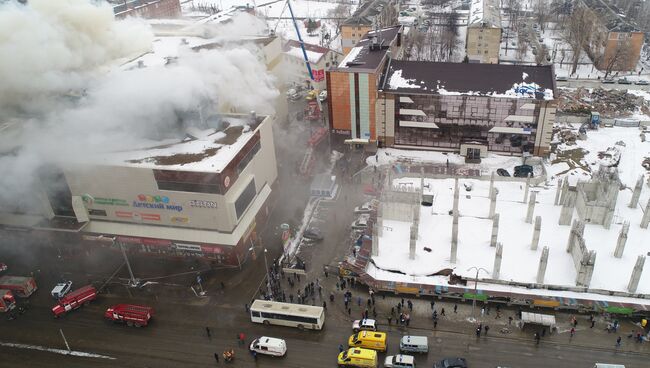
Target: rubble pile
{"type": "Point", "coordinates": [609, 103]}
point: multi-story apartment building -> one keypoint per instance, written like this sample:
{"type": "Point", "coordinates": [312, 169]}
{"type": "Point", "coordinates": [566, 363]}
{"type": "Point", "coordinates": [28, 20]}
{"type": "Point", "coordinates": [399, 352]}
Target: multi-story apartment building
{"type": "Point", "coordinates": [616, 42]}
{"type": "Point", "coordinates": [146, 8]}
{"type": "Point", "coordinates": [378, 13]}
{"type": "Point", "coordinates": [484, 32]}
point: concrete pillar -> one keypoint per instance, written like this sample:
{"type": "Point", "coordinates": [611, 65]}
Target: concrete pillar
{"type": "Point", "coordinates": [636, 274]}
{"type": "Point", "coordinates": [622, 238]}
{"type": "Point", "coordinates": [566, 213]}
{"type": "Point", "coordinates": [454, 239]}
{"type": "Point", "coordinates": [493, 202]}
{"type": "Point", "coordinates": [586, 267]}
{"type": "Point", "coordinates": [380, 225]}
{"type": "Point", "coordinates": [536, 231]}
{"type": "Point", "coordinates": [375, 240]}
{"type": "Point", "coordinates": [498, 255]}
{"type": "Point", "coordinates": [543, 262]}
{"type": "Point", "coordinates": [491, 182]}
{"type": "Point", "coordinates": [413, 240]}
{"type": "Point", "coordinates": [564, 191]}
{"type": "Point", "coordinates": [558, 190]}
{"type": "Point", "coordinates": [526, 190]}
{"type": "Point", "coordinates": [636, 193]}
{"type": "Point", "coordinates": [456, 196]}
{"type": "Point", "coordinates": [577, 231]}
{"type": "Point", "coordinates": [646, 216]}
{"type": "Point", "coordinates": [531, 208]}
{"type": "Point", "coordinates": [495, 230]}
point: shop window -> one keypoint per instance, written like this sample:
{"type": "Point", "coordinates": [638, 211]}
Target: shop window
{"type": "Point", "coordinates": [245, 199]}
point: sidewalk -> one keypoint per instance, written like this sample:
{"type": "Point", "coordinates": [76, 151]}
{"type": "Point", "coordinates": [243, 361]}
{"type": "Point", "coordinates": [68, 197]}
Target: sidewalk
{"type": "Point", "coordinates": [460, 322]}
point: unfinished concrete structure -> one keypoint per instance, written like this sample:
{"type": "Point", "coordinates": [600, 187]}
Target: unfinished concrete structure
{"type": "Point", "coordinates": [527, 189]}
{"type": "Point", "coordinates": [583, 258]}
{"type": "Point", "coordinates": [622, 238]}
{"type": "Point", "coordinates": [564, 191]}
{"type": "Point", "coordinates": [495, 230]}
{"type": "Point", "coordinates": [636, 193]}
{"type": "Point", "coordinates": [646, 216]}
{"type": "Point", "coordinates": [541, 269]}
{"type": "Point", "coordinates": [375, 238]}
{"type": "Point", "coordinates": [536, 232]}
{"type": "Point", "coordinates": [493, 202]}
{"type": "Point", "coordinates": [531, 208]}
{"type": "Point", "coordinates": [558, 191]}
{"type": "Point", "coordinates": [566, 213]}
{"type": "Point", "coordinates": [498, 255]}
{"type": "Point", "coordinates": [636, 274]}
{"type": "Point", "coordinates": [454, 239]}
{"type": "Point", "coordinates": [596, 198]}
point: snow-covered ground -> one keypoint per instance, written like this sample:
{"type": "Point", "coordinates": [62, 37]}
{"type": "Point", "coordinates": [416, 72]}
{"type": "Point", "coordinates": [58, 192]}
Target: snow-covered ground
{"type": "Point", "coordinates": [519, 262]}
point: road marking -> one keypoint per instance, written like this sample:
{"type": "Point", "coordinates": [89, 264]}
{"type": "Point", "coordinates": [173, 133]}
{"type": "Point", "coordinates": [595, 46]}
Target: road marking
{"type": "Point", "coordinates": [56, 351]}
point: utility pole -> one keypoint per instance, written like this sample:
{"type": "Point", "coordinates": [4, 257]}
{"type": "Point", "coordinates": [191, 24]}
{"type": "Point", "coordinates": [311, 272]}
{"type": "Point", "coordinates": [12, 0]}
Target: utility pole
{"type": "Point", "coordinates": [475, 288]}
{"type": "Point", "coordinates": [65, 341]}
{"type": "Point", "coordinates": [134, 282]}
{"type": "Point", "coordinates": [268, 281]}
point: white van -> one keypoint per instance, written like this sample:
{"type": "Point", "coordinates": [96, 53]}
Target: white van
{"type": "Point", "coordinates": [603, 365]}
{"type": "Point", "coordinates": [269, 346]}
{"type": "Point", "coordinates": [414, 344]}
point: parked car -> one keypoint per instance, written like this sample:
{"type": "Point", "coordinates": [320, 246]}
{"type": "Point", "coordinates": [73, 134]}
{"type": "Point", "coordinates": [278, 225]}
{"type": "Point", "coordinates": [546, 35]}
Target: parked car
{"type": "Point", "coordinates": [365, 208]}
{"type": "Point", "coordinates": [503, 172]}
{"type": "Point", "coordinates": [561, 78]}
{"type": "Point", "coordinates": [293, 95]}
{"type": "Point", "coordinates": [623, 81]}
{"type": "Point", "coordinates": [642, 82]}
{"type": "Point", "coordinates": [608, 81]}
{"type": "Point", "coordinates": [311, 95]}
{"type": "Point", "coordinates": [364, 325]}
{"type": "Point", "coordinates": [523, 171]}
{"type": "Point", "coordinates": [322, 96]}
{"type": "Point", "coordinates": [399, 361]}
{"type": "Point", "coordinates": [312, 233]}
{"type": "Point", "coordinates": [61, 289]}
{"type": "Point", "coordinates": [361, 223]}
{"type": "Point", "coordinates": [451, 363]}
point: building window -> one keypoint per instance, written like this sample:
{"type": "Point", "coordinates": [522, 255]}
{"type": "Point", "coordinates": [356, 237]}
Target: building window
{"type": "Point", "coordinates": [245, 199]}
{"type": "Point", "coordinates": [97, 212]}
{"type": "Point", "coordinates": [249, 156]}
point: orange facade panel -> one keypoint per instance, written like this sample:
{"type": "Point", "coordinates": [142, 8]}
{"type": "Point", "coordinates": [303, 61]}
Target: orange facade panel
{"type": "Point", "coordinates": [339, 99]}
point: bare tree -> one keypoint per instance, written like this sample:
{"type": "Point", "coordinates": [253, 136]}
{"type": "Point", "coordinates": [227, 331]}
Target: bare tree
{"type": "Point", "coordinates": [341, 12]}
{"type": "Point", "coordinates": [522, 48]}
{"type": "Point", "coordinates": [542, 13]}
{"type": "Point", "coordinates": [578, 33]}
{"type": "Point", "coordinates": [618, 59]}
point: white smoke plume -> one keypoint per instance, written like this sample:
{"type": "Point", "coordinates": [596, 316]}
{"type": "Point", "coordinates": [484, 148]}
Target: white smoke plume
{"type": "Point", "coordinates": [51, 48]}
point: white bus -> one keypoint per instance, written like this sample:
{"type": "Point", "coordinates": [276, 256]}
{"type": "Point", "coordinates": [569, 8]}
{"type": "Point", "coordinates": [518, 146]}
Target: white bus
{"type": "Point", "coordinates": [287, 314]}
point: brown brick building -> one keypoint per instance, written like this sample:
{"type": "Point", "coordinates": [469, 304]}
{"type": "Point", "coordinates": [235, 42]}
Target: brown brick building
{"type": "Point", "coordinates": [382, 12]}
{"type": "Point", "coordinates": [146, 8]}
{"type": "Point", "coordinates": [484, 32]}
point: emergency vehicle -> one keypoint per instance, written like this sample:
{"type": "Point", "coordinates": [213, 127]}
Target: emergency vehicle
{"type": "Point", "coordinates": [74, 300]}
{"type": "Point", "coordinates": [132, 315]}
{"type": "Point", "coordinates": [19, 285]}
{"type": "Point", "coordinates": [7, 301]}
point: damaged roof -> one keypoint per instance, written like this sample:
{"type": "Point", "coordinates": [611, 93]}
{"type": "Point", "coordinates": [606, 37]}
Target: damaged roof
{"type": "Point", "coordinates": [497, 80]}
{"type": "Point", "coordinates": [365, 55]}
{"type": "Point", "coordinates": [485, 13]}
{"type": "Point", "coordinates": [366, 12]}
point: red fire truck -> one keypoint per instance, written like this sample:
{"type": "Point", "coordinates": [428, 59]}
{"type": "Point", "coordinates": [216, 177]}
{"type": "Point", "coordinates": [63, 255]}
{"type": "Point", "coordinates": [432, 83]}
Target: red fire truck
{"type": "Point", "coordinates": [7, 301]}
{"type": "Point", "coordinates": [74, 300]}
{"type": "Point", "coordinates": [132, 315]}
{"type": "Point", "coordinates": [19, 285]}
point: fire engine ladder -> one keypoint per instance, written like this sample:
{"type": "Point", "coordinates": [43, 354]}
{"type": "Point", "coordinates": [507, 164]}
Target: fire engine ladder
{"type": "Point", "coordinates": [307, 162]}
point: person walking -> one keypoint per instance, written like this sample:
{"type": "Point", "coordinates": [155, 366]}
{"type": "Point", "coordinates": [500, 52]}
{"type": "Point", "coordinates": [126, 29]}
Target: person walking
{"type": "Point", "coordinates": [359, 301]}
{"type": "Point", "coordinates": [618, 342]}
{"type": "Point", "coordinates": [390, 320]}
{"type": "Point", "coordinates": [341, 348]}
{"type": "Point", "coordinates": [572, 332]}
{"type": "Point", "coordinates": [324, 305]}
{"type": "Point", "coordinates": [455, 308]}
{"type": "Point", "coordinates": [482, 311]}
{"type": "Point", "coordinates": [593, 322]}
{"type": "Point", "coordinates": [537, 338]}
{"type": "Point", "coordinates": [207, 331]}
{"type": "Point", "coordinates": [242, 338]}
{"type": "Point", "coordinates": [435, 323]}
{"type": "Point", "coordinates": [246, 307]}
{"type": "Point", "coordinates": [216, 357]}
{"type": "Point", "coordinates": [487, 328]}
{"type": "Point", "coordinates": [433, 304]}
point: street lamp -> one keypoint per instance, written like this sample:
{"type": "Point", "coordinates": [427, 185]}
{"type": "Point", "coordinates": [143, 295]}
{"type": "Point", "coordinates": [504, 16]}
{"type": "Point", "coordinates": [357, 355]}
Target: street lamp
{"type": "Point", "coordinates": [266, 267]}
{"type": "Point", "coordinates": [475, 286]}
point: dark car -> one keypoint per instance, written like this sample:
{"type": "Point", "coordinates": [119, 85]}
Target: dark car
{"type": "Point", "coordinates": [313, 233]}
{"type": "Point", "coordinates": [609, 81]}
{"type": "Point", "coordinates": [451, 363]}
{"type": "Point", "coordinates": [624, 81]}
{"type": "Point", "coordinates": [503, 172]}
{"type": "Point", "coordinates": [523, 171]}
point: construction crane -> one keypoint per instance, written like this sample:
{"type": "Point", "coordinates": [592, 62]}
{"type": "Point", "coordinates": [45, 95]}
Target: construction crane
{"type": "Point", "coordinates": [302, 43]}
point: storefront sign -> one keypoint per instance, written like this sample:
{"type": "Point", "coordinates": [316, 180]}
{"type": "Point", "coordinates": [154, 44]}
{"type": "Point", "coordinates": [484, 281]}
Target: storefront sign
{"type": "Point", "coordinates": [162, 242]}
{"type": "Point", "coordinates": [214, 249]}
{"type": "Point", "coordinates": [202, 204]}
{"type": "Point", "coordinates": [129, 240]}
{"type": "Point", "coordinates": [90, 200]}
{"type": "Point", "coordinates": [187, 247]}
{"type": "Point", "coordinates": [138, 215]}
{"type": "Point", "coordinates": [156, 202]}
{"type": "Point", "coordinates": [99, 238]}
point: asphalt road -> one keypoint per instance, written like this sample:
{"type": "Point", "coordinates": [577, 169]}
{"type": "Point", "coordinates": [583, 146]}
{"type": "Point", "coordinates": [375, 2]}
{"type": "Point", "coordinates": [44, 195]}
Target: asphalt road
{"type": "Point", "coordinates": [592, 83]}
{"type": "Point", "coordinates": [177, 338]}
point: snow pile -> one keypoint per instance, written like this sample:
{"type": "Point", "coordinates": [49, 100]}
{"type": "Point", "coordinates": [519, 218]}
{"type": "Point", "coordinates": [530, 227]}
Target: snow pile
{"type": "Point", "coordinates": [397, 81]}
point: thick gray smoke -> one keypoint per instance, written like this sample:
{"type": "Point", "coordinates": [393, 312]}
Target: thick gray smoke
{"type": "Point", "coordinates": [62, 74]}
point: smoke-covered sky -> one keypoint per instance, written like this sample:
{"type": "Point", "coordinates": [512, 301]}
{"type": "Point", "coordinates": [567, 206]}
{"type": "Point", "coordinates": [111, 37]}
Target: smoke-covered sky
{"type": "Point", "coordinates": [60, 74]}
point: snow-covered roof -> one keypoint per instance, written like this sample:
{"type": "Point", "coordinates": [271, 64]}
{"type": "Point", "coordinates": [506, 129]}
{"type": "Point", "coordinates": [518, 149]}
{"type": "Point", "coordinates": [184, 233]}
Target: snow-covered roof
{"type": "Point", "coordinates": [485, 13]}
{"type": "Point", "coordinates": [314, 52]}
{"type": "Point", "coordinates": [365, 55]}
{"type": "Point", "coordinates": [495, 80]}
{"type": "Point", "coordinates": [199, 150]}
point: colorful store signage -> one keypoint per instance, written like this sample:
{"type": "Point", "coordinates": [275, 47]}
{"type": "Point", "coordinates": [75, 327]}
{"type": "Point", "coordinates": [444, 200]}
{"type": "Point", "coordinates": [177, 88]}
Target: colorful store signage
{"type": "Point", "coordinates": [156, 202]}
{"type": "Point", "coordinates": [138, 215]}
{"type": "Point", "coordinates": [179, 220]}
